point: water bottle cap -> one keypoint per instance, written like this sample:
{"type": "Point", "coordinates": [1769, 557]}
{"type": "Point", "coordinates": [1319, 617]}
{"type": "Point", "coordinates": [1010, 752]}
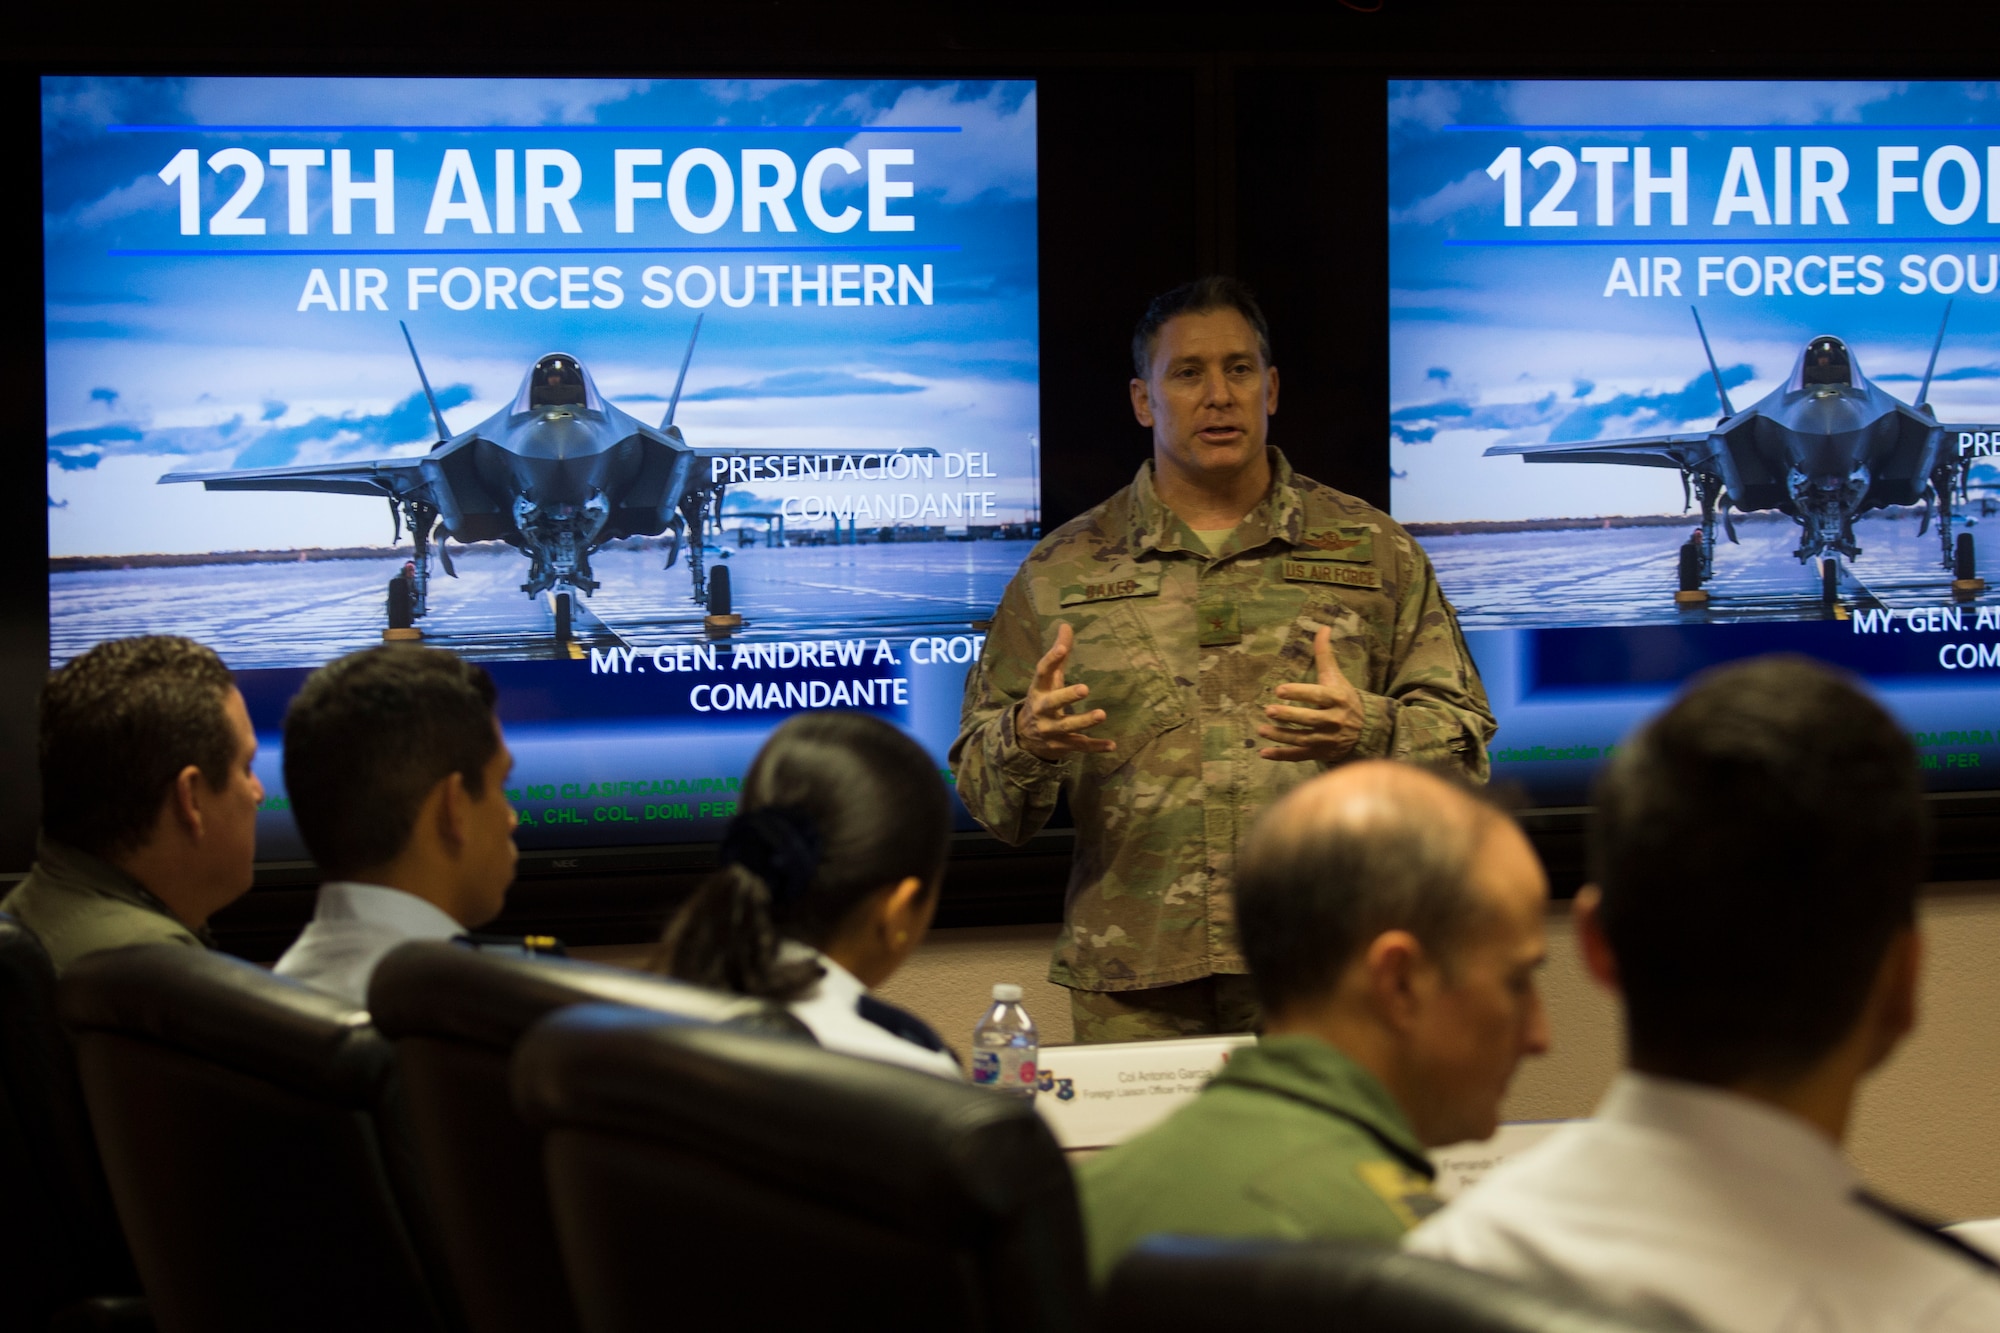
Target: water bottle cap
{"type": "Point", "coordinates": [1006, 992]}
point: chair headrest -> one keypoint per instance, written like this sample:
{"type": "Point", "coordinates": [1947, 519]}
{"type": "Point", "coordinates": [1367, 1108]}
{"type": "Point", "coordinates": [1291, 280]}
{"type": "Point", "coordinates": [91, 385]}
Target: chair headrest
{"type": "Point", "coordinates": [917, 1146]}
{"type": "Point", "coordinates": [231, 1013]}
{"type": "Point", "coordinates": [27, 977]}
{"type": "Point", "coordinates": [431, 989]}
{"type": "Point", "coordinates": [1178, 1281]}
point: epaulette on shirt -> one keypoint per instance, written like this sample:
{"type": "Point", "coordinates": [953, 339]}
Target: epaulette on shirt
{"type": "Point", "coordinates": [512, 946]}
{"type": "Point", "coordinates": [1928, 1230]}
{"type": "Point", "coordinates": [900, 1023]}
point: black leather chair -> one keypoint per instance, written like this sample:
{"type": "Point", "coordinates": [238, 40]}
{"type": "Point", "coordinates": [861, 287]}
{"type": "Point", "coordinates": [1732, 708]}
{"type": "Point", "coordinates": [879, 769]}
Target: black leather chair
{"type": "Point", "coordinates": [60, 1247]}
{"type": "Point", "coordinates": [703, 1176]}
{"type": "Point", "coordinates": [1182, 1284]}
{"type": "Point", "coordinates": [455, 1017]}
{"type": "Point", "coordinates": [237, 1114]}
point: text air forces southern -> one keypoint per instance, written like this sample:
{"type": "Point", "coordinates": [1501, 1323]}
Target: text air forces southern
{"type": "Point", "coordinates": [1160, 817]}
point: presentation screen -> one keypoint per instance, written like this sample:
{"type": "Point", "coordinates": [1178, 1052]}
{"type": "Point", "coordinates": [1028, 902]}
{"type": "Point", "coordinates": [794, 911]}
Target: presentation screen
{"type": "Point", "coordinates": [680, 405]}
{"type": "Point", "coordinates": [1683, 372]}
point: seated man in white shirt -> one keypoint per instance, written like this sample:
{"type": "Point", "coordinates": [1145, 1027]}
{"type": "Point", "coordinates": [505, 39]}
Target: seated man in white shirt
{"type": "Point", "coordinates": [396, 770]}
{"type": "Point", "coordinates": [1756, 855]}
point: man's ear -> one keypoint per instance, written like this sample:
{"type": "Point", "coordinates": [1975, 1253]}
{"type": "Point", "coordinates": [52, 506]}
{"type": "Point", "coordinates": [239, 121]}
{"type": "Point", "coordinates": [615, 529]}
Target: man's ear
{"type": "Point", "coordinates": [1142, 403]}
{"type": "Point", "coordinates": [184, 800]}
{"type": "Point", "coordinates": [1598, 960]}
{"type": "Point", "coordinates": [1894, 1003]}
{"type": "Point", "coordinates": [453, 813]}
{"type": "Point", "coordinates": [1271, 392]}
{"type": "Point", "coordinates": [1396, 965]}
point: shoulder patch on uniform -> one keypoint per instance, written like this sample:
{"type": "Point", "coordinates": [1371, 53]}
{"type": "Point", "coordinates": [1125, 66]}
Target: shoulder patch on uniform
{"type": "Point", "coordinates": [1407, 1194]}
{"type": "Point", "coordinates": [1126, 583]}
{"type": "Point", "coordinates": [1353, 542]}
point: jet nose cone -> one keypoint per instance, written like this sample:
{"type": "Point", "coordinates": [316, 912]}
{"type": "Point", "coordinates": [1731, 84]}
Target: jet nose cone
{"type": "Point", "coordinates": [556, 434]}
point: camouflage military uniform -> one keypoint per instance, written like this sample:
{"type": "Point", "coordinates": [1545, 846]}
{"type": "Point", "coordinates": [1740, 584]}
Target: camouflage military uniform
{"type": "Point", "coordinates": [1183, 651]}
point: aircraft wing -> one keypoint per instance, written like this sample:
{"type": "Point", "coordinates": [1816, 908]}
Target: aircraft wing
{"type": "Point", "coordinates": [394, 478]}
{"type": "Point", "coordinates": [1673, 451]}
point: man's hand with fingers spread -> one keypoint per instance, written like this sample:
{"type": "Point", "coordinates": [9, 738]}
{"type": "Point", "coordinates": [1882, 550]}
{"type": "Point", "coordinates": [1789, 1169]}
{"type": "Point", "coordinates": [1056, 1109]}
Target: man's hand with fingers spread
{"type": "Point", "coordinates": [1043, 723]}
{"type": "Point", "coordinates": [1325, 719]}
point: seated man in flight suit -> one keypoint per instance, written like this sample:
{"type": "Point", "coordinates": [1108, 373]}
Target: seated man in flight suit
{"type": "Point", "coordinates": [149, 801]}
{"type": "Point", "coordinates": [1393, 926]}
{"type": "Point", "coordinates": [397, 771]}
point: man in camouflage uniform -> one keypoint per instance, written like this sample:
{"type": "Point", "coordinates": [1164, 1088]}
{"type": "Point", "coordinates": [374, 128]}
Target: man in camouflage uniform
{"type": "Point", "coordinates": [1394, 926]}
{"type": "Point", "coordinates": [1217, 600]}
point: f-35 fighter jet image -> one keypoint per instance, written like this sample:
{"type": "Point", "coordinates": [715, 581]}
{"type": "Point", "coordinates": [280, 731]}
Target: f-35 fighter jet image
{"type": "Point", "coordinates": [1825, 446]}
{"type": "Point", "coordinates": [556, 474]}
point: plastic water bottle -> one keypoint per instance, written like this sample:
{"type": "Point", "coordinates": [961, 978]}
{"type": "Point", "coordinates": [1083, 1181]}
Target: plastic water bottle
{"type": "Point", "coordinates": [1005, 1045]}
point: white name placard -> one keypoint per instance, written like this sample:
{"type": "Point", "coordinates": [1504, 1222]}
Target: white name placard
{"type": "Point", "coordinates": [1463, 1165]}
{"type": "Point", "coordinates": [1095, 1096]}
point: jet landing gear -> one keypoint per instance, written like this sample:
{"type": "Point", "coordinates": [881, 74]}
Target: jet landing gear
{"type": "Point", "coordinates": [409, 590]}
{"type": "Point", "coordinates": [721, 618]}
{"type": "Point", "coordinates": [1965, 580]}
{"type": "Point", "coordinates": [1693, 568]}
{"type": "Point", "coordinates": [1696, 564]}
{"type": "Point", "coordinates": [402, 609]}
{"type": "Point", "coordinates": [1829, 582]}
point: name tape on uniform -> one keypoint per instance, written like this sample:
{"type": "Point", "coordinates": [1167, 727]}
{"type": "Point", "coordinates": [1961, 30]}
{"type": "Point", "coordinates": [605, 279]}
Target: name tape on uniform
{"type": "Point", "coordinates": [1320, 571]}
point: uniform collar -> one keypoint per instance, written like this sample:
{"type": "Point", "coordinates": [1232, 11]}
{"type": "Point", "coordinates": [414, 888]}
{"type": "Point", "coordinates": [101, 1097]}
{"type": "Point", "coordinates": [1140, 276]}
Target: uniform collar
{"type": "Point", "coordinates": [836, 985]}
{"type": "Point", "coordinates": [392, 909]}
{"type": "Point", "coordinates": [1752, 1136]}
{"type": "Point", "coordinates": [1280, 515]}
{"type": "Point", "coordinates": [1306, 1069]}
{"type": "Point", "coordinates": [70, 868]}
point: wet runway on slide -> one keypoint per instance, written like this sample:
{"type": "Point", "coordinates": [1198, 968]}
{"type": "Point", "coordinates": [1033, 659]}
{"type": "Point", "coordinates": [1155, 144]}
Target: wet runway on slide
{"type": "Point", "coordinates": [301, 614]}
{"type": "Point", "coordinates": [1627, 576]}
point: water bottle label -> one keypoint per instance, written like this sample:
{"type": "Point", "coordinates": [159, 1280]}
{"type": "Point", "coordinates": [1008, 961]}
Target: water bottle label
{"type": "Point", "coordinates": [1009, 1070]}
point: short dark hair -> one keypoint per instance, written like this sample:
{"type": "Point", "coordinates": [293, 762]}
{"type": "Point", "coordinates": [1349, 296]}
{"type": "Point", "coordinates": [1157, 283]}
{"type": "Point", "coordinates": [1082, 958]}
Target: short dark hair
{"type": "Point", "coordinates": [1314, 886]}
{"type": "Point", "coordinates": [1214, 292]}
{"type": "Point", "coordinates": [877, 806]}
{"type": "Point", "coordinates": [118, 724]}
{"type": "Point", "coordinates": [366, 739]}
{"type": "Point", "coordinates": [1758, 846]}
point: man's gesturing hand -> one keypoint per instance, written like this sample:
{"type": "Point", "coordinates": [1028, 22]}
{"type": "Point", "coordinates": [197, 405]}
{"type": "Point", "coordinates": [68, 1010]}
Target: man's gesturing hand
{"type": "Point", "coordinates": [1043, 723]}
{"type": "Point", "coordinates": [1327, 721]}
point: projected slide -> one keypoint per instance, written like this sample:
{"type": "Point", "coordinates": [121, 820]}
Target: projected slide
{"type": "Point", "coordinates": [1715, 364]}
{"type": "Point", "coordinates": [683, 404]}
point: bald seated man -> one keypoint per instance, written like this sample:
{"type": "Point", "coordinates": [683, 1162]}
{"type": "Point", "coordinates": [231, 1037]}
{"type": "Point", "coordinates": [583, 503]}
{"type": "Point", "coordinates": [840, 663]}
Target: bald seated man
{"type": "Point", "coordinates": [1393, 926]}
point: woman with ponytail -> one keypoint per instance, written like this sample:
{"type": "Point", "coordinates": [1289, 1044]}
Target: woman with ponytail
{"type": "Point", "coordinates": [829, 876]}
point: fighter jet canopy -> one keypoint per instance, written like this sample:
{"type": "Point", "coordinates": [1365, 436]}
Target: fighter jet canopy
{"type": "Point", "coordinates": [1825, 361]}
{"type": "Point", "coordinates": [557, 380]}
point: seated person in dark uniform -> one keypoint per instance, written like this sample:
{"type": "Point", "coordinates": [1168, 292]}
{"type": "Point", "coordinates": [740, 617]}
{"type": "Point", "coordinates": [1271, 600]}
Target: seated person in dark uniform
{"type": "Point", "coordinates": [1393, 927]}
{"type": "Point", "coordinates": [397, 772]}
{"type": "Point", "coordinates": [149, 805]}
{"type": "Point", "coordinates": [829, 877]}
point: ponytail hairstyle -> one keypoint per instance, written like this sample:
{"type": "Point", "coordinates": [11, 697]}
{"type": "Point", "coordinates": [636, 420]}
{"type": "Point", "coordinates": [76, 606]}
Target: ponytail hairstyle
{"type": "Point", "coordinates": [837, 807]}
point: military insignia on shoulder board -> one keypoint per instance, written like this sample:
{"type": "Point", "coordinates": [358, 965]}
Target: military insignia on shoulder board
{"type": "Point", "coordinates": [1407, 1194]}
